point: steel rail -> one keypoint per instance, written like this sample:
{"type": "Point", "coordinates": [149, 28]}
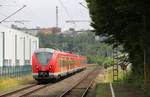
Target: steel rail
{"type": "Point", "coordinates": [16, 91]}
{"type": "Point", "coordinates": [87, 89]}
{"type": "Point", "coordinates": [41, 87]}
{"type": "Point", "coordinates": [25, 88]}
{"type": "Point", "coordinates": [77, 83]}
{"type": "Point", "coordinates": [30, 92]}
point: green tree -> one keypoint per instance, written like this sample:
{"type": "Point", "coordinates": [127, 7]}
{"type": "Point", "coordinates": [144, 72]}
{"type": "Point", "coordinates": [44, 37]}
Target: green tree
{"type": "Point", "coordinates": [125, 23]}
{"type": "Point", "coordinates": [83, 44]}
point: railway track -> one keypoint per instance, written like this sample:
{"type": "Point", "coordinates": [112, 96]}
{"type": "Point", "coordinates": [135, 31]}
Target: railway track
{"type": "Point", "coordinates": [24, 91]}
{"type": "Point", "coordinates": [81, 88]}
{"type": "Point", "coordinates": [35, 88]}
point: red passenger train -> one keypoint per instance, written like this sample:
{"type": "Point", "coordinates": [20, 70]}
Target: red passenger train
{"type": "Point", "coordinates": [51, 64]}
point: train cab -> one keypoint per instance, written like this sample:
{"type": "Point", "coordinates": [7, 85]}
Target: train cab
{"type": "Point", "coordinates": [42, 63]}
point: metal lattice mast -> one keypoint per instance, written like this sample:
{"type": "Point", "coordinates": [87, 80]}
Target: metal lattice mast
{"type": "Point", "coordinates": [115, 66]}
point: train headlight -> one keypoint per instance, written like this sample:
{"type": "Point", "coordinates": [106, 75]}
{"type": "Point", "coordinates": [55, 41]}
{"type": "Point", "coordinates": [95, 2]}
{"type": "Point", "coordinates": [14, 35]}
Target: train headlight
{"type": "Point", "coordinates": [50, 67]}
{"type": "Point", "coordinates": [36, 67]}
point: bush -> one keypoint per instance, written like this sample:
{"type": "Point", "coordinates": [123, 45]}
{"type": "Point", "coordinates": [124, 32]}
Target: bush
{"type": "Point", "coordinates": [108, 63]}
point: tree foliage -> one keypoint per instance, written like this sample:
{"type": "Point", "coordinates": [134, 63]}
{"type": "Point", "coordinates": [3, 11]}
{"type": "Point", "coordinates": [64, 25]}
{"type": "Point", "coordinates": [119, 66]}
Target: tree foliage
{"type": "Point", "coordinates": [83, 44]}
{"type": "Point", "coordinates": [108, 63]}
{"type": "Point", "coordinates": [126, 23]}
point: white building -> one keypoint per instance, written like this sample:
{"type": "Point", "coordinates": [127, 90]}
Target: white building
{"type": "Point", "coordinates": [16, 47]}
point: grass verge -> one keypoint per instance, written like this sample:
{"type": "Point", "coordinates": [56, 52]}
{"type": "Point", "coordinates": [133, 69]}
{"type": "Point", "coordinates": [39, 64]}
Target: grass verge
{"type": "Point", "coordinates": [103, 90]}
{"type": "Point", "coordinates": [108, 75]}
{"type": "Point", "coordinates": [92, 64]}
{"type": "Point", "coordinates": [7, 84]}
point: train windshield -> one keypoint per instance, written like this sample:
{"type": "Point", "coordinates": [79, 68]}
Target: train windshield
{"type": "Point", "coordinates": [44, 57]}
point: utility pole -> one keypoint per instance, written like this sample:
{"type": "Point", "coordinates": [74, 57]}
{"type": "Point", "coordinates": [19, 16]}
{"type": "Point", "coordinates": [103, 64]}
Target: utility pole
{"type": "Point", "coordinates": [146, 72]}
{"type": "Point", "coordinates": [115, 65]}
{"type": "Point", "coordinates": [56, 16]}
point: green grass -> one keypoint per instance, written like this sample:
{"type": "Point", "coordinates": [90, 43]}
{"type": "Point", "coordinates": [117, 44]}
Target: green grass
{"type": "Point", "coordinates": [103, 90]}
{"type": "Point", "coordinates": [108, 75]}
{"type": "Point", "coordinates": [128, 90]}
{"type": "Point", "coordinates": [92, 64]}
{"type": "Point", "coordinates": [124, 88]}
{"type": "Point", "coordinates": [7, 84]}
{"type": "Point", "coordinates": [120, 90]}
{"type": "Point", "coordinates": [136, 80]}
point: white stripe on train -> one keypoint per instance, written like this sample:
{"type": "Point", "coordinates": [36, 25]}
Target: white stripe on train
{"type": "Point", "coordinates": [60, 73]}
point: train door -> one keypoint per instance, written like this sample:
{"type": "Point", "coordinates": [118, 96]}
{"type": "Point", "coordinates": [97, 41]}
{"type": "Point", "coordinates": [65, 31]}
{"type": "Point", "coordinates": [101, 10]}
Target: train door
{"type": "Point", "coordinates": [73, 63]}
{"type": "Point", "coordinates": [58, 62]}
{"type": "Point", "coordinates": [67, 64]}
{"type": "Point", "coordinates": [70, 62]}
{"type": "Point", "coordinates": [64, 63]}
{"type": "Point", "coordinates": [78, 62]}
{"type": "Point", "coordinates": [61, 66]}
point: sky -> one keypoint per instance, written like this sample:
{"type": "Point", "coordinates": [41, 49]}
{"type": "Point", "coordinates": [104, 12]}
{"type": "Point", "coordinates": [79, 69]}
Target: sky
{"type": "Point", "coordinates": [42, 13]}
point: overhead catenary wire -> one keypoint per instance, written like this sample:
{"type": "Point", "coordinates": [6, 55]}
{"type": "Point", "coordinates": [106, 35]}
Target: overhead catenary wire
{"type": "Point", "coordinates": [70, 21]}
{"type": "Point", "coordinates": [67, 12]}
{"type": "Point", "coordinates": [83, 5]}
{"type": "Point", "coordinates": [4, 5]}
{"type": "Point", "coordinates": [13, 13]}
{"type": "Point", "coordinates": [19, 21]}
{"type": "Point", "coordinates": [7, 4]}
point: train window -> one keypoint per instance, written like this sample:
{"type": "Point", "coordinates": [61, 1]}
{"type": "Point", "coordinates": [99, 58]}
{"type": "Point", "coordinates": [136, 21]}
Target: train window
{"type": "Point", "coordinates": [82, 61]}
{"type": "Point", "coordinates": [43, 58]}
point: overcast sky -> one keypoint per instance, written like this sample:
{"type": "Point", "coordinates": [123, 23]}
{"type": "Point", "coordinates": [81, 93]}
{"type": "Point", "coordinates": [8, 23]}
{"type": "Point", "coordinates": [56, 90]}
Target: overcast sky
{"type": "Point", "coordinates": [42, 13]}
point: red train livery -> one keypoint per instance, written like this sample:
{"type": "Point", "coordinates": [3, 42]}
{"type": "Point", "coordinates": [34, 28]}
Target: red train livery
{"type": "Point", "coordinates": [48, 64]}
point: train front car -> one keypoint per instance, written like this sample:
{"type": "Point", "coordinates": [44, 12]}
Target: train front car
{"type": "Point", "coordinates": [42, 64]}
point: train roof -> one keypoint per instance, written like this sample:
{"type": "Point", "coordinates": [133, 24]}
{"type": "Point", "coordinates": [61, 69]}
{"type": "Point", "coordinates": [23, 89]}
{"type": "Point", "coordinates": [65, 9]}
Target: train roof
{"type": "Point", "coordinates": [60, 52]}
{"type": "Point", "coordinates": [74, 55]}
{"type": "Point", "coordinates": [44, 50]}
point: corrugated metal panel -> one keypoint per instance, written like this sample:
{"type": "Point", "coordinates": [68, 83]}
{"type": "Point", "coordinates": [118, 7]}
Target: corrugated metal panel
{"type": "Point", "coordinates": [19, 47]}
{"type": "Point", "coordinates": [1, 48]}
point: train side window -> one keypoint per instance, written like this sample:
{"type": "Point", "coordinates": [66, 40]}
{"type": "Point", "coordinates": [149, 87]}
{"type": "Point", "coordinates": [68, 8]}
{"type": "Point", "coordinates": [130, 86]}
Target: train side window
{"type": "Point", "coordinates": [72, 62]}
{"type": "Point", "coordinates": [61, 60]}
